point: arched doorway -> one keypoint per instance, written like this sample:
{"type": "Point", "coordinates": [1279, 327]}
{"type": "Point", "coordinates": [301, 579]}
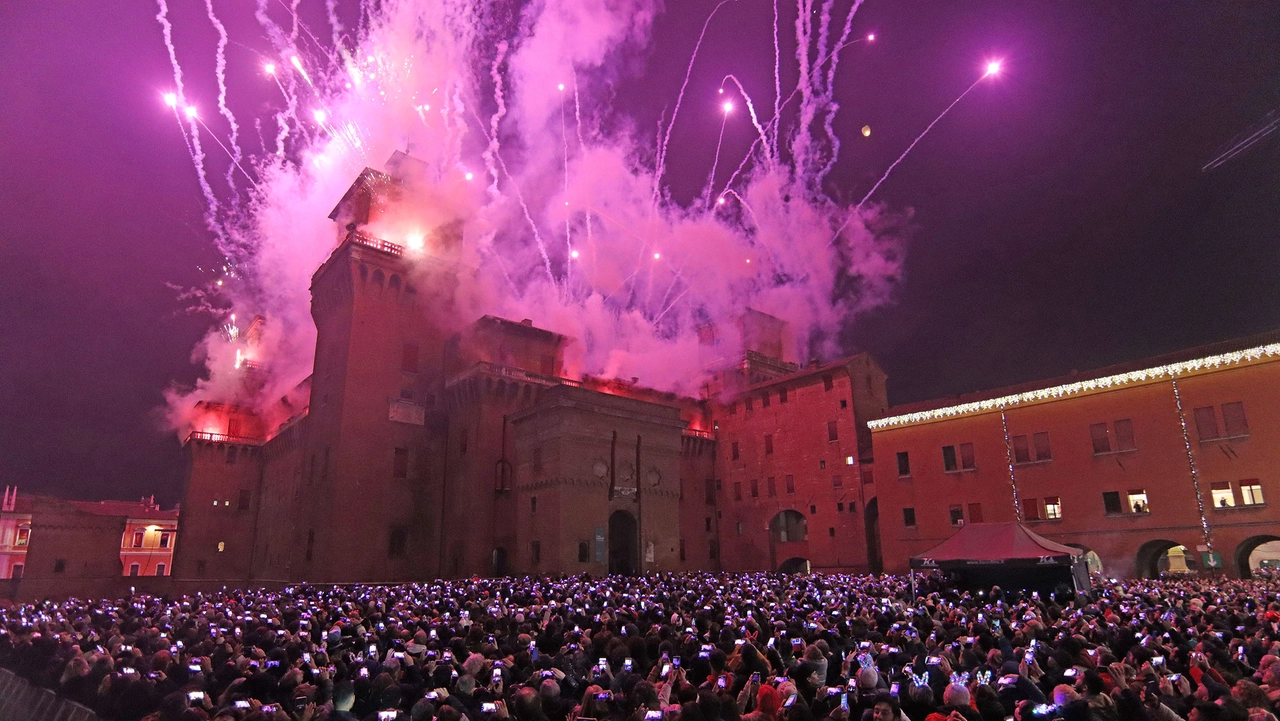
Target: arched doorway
{"type": "Point", "coordinates": [789, 527]}
{"type": "Point", "coordinates": [1091, 559]}
{"type": "Point", "coordinates": [624, 546]}
{"type": "Point", "coordinates": [500, 562]}
{"type": "Point", "coordinates": [1153, 558]}
{"type": "Point", "coordinates": [794, 565]}
{"type": "Point", "coordinates": [1255, 552]}
{"type": "Point", "coordinates": [871, 522]}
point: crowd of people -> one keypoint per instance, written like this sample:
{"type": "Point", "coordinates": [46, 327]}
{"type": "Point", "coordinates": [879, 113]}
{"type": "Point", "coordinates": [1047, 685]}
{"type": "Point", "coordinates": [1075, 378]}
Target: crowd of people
{"type": "Point", "coordinates": [665, 647]}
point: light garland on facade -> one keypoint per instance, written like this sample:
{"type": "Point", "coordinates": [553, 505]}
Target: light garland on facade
{"type": "Point", "coordinates": [1068, 389]}
{"type": "Point", "coordinates": [1008, 454]}
{"type": "Point", "coordinates": [1191, 461]}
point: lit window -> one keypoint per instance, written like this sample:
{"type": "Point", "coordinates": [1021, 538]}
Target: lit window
{"type": "Point", "coordinates": [222, 546]}
{"type": "Point", "coordinates": [848, 460]}
{"type": "Point", "coordinates": [165, 539]}
{"type": "Point", "coordinates": [24, 537]}
{"type": "Point", "coordinates": [1052, 508]}
{"type": "Point", "coordinates": [1222, 495]}
{"type": "Point", "coordinates": [1251, 492]}
{"type": "Point", "coordinates": [739, 528]}
{"type": "Point", "coordinates": [138, 537]}
{"type": "Point", "coordinates": [1138, 501]}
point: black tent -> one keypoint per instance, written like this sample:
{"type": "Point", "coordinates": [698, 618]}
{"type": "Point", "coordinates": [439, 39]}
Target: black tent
{"type": "Point", "coordinates": [1006, 554]}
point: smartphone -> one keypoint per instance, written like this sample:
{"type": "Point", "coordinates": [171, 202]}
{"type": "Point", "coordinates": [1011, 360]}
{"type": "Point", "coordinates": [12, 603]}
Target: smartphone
{"type": "Point", "coordinates": [676, 662]}
{"type": "Point", "coordinates": [488, 707]}
{"type": "Point", "coordinates": [722, 682]}
{"type": "Point", "coordinates": [769, 643]}
{"type": "Point", "coordinates": [755, 677]}
{"type": "Point", "coordinates": [791, 701]}
{"type": "Point", "coordinates": [666, 670]}
{"type": "Point", "coordinates": [194, 668]}
{"type": "Point", "coordinates": [1175, 677]}
{"type": "Point", "coordinates": [844, 701]}
{"type": "Point", "coordinates": [364, 672]}
{"type": "Point", "coordinates": [627, 664]}
{"type": "Point", "coordinates": [299, 703]}
{"type": "Point", "coordinates": [1044, 709]}
{"type": "Point", "coordinates": [400, 654]}
{"type": "Point", "coordinates": [893, 689]}
{"type": "Point", "coordinates": [1030, 656]}
{"type": "Point", "coordinates": [241, 703]}
{"type": "Point", "coordinates": [1069, 673]}
{"type": "Point", "coordinates": [652, 716]}
{"type": "Point", "coordinates": [1157, 660]}
{"type": "Point", "coordinates": [933, 661]}
{"type": "Point", "coordinates": [269, 708]}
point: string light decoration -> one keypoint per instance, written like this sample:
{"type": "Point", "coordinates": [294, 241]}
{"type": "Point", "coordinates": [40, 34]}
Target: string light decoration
{"type": "Point", "coordinates": [1008, 455]}
{"type": "Point", "coordinates": [1191, 461]}
{"type": "Point", "coordinates": [1069, 389]}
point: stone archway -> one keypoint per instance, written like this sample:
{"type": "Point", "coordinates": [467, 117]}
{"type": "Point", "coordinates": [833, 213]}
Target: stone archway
{"type": "Point", "coordinates": [789, 526]}
{"type": "Point", "coordinates": [1091, 558]}
{"type": "Point", "coordinates": [1147, 560]}
{"type": "Point", "coordinates": [624, 545]}
{"type": "Point", "coordinates": [794, 565]}
{"type": "Point", "coordinates": [499, 565]}
{"type": "Point", "coordinates": [1244, 552]}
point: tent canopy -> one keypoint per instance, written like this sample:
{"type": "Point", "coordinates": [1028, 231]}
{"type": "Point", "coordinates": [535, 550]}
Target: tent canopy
{"type": "Point", "coordinates": [1004, 544]}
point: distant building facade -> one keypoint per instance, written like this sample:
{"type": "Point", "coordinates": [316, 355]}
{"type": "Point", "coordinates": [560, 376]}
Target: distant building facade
{"type": "Point", "coordinates": [1144, 465]}
{"type": "Point", "coordinates": [146, 540]}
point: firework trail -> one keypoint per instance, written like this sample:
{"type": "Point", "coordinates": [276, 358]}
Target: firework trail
{"type": "Point", "coordinates": [666, 139]}
{"type": "Point", "coordinates": [751, 107]}
{"type": "Point", "coordinates": [920, 137]}
{"type": "Point", "coordinates": [496, 119]}
{"type": "Point", "coordinates": [335, 25]}
{"type": "Point", "coordinates": [197, 153]}
{"type": "Point", "coordinates": [235, 163]}
{"type": "Point", "coordinates": [711, 177]}
{"type": "Point", "coordinates": [832, 107]}
{"type": "Point", "coordinates": [220, 70]}
{"type": "Point", "coordinates": [777, 84]}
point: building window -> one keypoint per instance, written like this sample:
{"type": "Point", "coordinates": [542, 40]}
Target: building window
{"type": "Point", "coordinates": [837, 482]}
{"type": "Point", "coordinates": [831, 531]}
{"type": "Point", "coordinates": [827, 383]}
{"type": "Point", "coordinates": [957, 515]}
{"type": "Point", "coordinates": [548, 365]}
{"type": "Point", "coordinates": [822, 463]}
{"type": "Point", "coordinates": [535, 552]}
{"type": "Point", "coordinates": [1124, 435]}
{"type": "Point", "coordinates": [853, 507]}
{"type": "Point", "coordinates": [975, 513]}
{"type": "Point", "coordinates": [1111, 502]}
{"type": "Point", "coordinates": [233, 452]}
{"type": "Point", "coordinates": [533, 505]}
{"type": "Point", "coordinates": [1251, 492]}
{"type": "Point", "coordinates": [1223, 497]}
{"type": "Point", "coordinates": [782, 394]}
{"type": "Point", "coordinates": [734, 450]}
{"type": "Point", "coordinates": [949, 459]}
{"type": "Point", "coordinates": [222, 546]}
{"type": "Point", "coordinates": [138, 537]}
{"type": "Point", "coordinates": [713, 549]}
{"type": "Point", "coordinates": [165, 539]}
{"type": "Point", "coordinates": [709, 490]}
{"type": "Point", "coordinates": [242, 501]}
{"type": "Point", "coordinates": [200, 566]}
{"type": "Point", "coordinates": [868, 474]}
{"type": "Point", "coordinates": [409, 358]}
{"type": "Point", "coordinates": [844, 403]}
{"type": "Point", "coordinates": [737, 490]}
{"type": "Point", "coordinates": [400, 463]}
{"type": "Point", "coordinates": [755, 488]}
{"type": "Point", "coordinates": [1206, 423]}
{"type": "Point", "coordinates": [909, 517]}
{"type": "Point", "coordinates": [18, 568]}
{"type": "Point", "coordinates": [584, 551]}
{"type": "Point", "coordinates": [791, 483]}
{"type": "Point", "coordinates": [848, 460]}
{"type": "Point", "coordinates": [1041, 443]}
{"type": "Point", "coordinates": [681, 549]}
{"type": "Point", "coordinates": [59, 565]}
{"type": "Point", "coordinates": [812, 509]}
{"type": "Point", "coordinates": [1052, 508]}
{"type": "Point", "coordinates": [840, 507]}
{"type": "Point", "coordinates": [833, 431]}
{"type": "Point", "coordinates": [1233, 419]}
{"type": "Point", "coordinates": [160, 569]}
{"type": "Point", "coordinates": [771, 486]}
{"type": "Point", "coordinates": [904, 464]}
{"type": "Point", "coordinates": [134, 569]}
{"type": "Point", "coordinates": [768, 444]}
{"type": "Point", "coordinates": [1031, 510]}
{"type": "Point", "coordinates": [1138, 501]}
{"type": "Point", "coordinates": [748, 405]}
{"type": "Point", "coordinates": [966, 457]}
{"type": "Point", "coordinates": [24, 537]}
{"type": "Point", "coordinates": [707, 525]}
{"type": "Point", "coordinates": [1101, 438]}
{"type": "Point", "coordinates": [1021, 450]}
{"type": "Point", "coordinates": [764, 399]}
{"type": "Point", "coordinates": [397, 542]}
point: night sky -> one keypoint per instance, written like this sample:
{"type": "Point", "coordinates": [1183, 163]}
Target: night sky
{"type": "Point", "coordinates": [1061, 217]}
